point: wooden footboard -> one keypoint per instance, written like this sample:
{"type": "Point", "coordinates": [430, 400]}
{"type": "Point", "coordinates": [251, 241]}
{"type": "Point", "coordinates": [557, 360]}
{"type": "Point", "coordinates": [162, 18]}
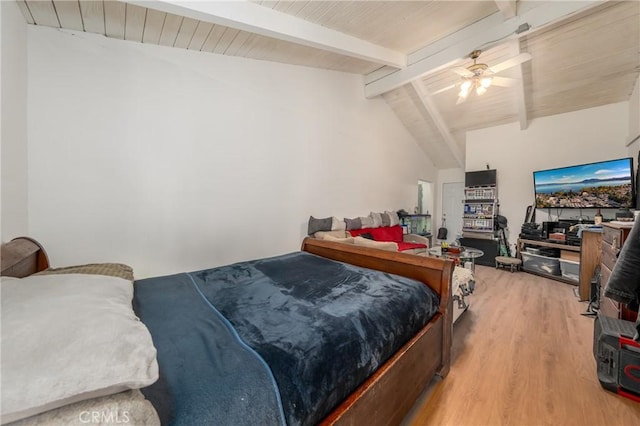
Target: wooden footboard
{"type": "Point", "coordinates": [387, 396]}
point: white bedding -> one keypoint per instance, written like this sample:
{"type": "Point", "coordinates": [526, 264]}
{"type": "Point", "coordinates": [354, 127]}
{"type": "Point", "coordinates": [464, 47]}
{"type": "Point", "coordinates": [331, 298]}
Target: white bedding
{"type": "Point", "coordinates": [69, 338]}
{"type": "Point", "coordinates": [128, 408]}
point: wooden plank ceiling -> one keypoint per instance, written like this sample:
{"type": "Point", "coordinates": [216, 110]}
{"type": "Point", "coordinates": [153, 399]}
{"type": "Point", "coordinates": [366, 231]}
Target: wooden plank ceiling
{"type": "Point", "coordinates": [582, 56]}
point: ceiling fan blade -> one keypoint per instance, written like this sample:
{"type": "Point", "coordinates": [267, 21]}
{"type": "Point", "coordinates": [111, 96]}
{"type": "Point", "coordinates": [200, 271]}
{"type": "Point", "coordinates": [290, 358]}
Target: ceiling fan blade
{"type": "Point", "coordinates": [462, 71]}
{"type": "Point", "coordinates": [461, 99]}
{"type": "Point", "coordinates": [516, 60]}
{"type": "Point", "coordinates": [504, 81]}
{"type": "Point", "coordinates": [444, 89]}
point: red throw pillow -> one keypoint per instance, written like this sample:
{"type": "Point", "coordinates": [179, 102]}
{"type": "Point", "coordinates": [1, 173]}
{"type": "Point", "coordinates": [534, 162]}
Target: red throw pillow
{"type": "Point", "coordinates": [387, 233]}
{"type": "Point", "coordinates": [384, 233]}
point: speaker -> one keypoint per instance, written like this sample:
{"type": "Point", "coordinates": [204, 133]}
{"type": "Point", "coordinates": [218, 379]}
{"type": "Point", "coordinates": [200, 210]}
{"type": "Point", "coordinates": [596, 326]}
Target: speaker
{"type": "Point", "coordinates": [491, 249]}
{"type": "Point", "coordinates": [617, 356]}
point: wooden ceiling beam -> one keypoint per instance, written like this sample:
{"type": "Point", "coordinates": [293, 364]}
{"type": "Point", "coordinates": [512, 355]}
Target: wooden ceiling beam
{"type": "Point", "coordinates": [520, 94]}
{"type": "Point", "coordinates": [482, 34]}
{"type": "Point", "coordinates": [438, 120]}
{"type": "Point", "coordinates": [507, 7]}
{"type": "Point", "coordinates": [252, 17]}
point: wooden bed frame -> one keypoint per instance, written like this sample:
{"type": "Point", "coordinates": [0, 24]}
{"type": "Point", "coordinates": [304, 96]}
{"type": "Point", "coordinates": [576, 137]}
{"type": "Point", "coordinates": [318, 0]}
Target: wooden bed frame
{"type": "Point", "coordinates": [22, 257]}
{"type": "Point", "coordinates": [388, 395]}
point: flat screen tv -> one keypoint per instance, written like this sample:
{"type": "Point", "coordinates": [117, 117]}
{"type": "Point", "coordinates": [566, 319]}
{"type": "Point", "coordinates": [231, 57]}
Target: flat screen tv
{"type": "Point", "coordinates": [602, 185]}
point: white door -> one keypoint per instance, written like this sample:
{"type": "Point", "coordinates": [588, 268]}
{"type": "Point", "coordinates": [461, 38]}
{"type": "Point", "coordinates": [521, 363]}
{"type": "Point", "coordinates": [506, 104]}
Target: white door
{"type": "Point", "coordinates": [453, 209]}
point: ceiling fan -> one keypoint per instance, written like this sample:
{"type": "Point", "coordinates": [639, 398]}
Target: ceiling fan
{"type": "Point", "coordinates": [480, 77]}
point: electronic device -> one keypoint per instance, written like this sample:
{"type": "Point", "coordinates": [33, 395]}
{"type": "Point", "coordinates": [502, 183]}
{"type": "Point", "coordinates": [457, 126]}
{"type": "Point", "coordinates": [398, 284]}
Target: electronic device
{"type": "Point", "coordinates": [625, 214]}
{"type": "Point", "coordinates": [480, 178]}
{"type": "Point", "coordinates": [617, 356]}
{"type": "Point", "coordinates": [531, 231]}
{"type": "Point", "coordinates": [548, 228]}
{"type": "Point", "coordinates": [602, 185]}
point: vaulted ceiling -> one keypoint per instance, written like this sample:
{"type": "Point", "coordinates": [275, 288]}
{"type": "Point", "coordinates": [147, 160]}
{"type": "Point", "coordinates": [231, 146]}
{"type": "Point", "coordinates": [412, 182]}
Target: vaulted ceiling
{"type": "Point", "coordinates": [583, 53]}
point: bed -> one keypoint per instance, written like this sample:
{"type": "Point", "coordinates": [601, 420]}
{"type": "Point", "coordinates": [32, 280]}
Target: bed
{"type": "Point", "coordinates": [384, 396]}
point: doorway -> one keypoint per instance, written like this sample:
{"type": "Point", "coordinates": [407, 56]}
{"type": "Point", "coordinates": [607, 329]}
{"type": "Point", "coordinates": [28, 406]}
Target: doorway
{"type": "Point", "coordinates": [425, 197]}
{"type": "Point", "coordinates": [453, 209]}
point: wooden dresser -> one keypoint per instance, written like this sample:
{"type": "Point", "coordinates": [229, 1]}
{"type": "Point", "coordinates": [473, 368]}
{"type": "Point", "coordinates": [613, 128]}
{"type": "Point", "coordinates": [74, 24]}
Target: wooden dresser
{"type": "Point", "coordinates": [613, 237]}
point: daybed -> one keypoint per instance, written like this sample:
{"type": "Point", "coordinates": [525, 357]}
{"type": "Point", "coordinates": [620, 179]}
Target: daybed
{"type": "Point", "coordinates": [382, 397]}
{"type": "Point", "coordinates": [378, 230]}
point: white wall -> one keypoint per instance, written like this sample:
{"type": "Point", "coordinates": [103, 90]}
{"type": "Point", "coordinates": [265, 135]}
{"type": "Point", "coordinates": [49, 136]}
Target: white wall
{"type": "Point", "coordinates": [591, 135]}
{"type": "Point", "coordinates": [13, 69]}
{"type": "Point", "coordinates": [634, 122]}
{"type": "Point", "coordinates": [173, 160]}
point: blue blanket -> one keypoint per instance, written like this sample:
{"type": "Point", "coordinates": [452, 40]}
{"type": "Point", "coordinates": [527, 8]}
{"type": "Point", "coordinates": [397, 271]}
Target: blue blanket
{"type": "Point", "coordinates": [272, 341]}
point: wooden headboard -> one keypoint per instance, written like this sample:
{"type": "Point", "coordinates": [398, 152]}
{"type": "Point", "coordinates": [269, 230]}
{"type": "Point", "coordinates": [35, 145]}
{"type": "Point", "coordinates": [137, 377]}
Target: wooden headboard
{"type": "Point", "coordinates": [22, 257]}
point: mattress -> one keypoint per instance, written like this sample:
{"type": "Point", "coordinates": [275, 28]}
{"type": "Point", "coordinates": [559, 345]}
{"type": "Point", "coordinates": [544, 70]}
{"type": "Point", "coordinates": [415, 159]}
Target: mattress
{"type": "Point", "coordinates": [281, 340]}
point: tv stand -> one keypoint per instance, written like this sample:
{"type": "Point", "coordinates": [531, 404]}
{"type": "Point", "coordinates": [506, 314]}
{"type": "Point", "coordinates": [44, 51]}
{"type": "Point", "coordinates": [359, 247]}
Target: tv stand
{"type": "Point", "coordinates": [545, 243]}
{"type": "Point", "coordinates": [589, 250]}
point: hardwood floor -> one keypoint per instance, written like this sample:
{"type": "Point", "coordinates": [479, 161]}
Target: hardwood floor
{"type": "Point", "coordinates": [522, 355]}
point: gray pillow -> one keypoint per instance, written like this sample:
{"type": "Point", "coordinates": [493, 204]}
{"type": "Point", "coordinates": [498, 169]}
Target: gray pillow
{"type": "Point", "coordinates": [366, 221]}
{"type": "Point", "coordinates": [386, 220]}
{"type": "Point", "coordinates": [377, 219]}
{"type": "Point", "coordinates": [353, 223]}
{"type": "Point", "coordinates": [316, 225]}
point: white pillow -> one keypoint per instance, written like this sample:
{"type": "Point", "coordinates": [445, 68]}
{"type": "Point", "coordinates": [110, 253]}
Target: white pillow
{"type": "Point", "coordinates": [322, 235]}
{"type": "Point", "coordinates": [329, 237]}
{"type": "Point", "coordinates": [381, 245]}
{"type": "Point", "coordinates": [68, 338]}
{"type": "Point", "coordinates": [337, 224]}
{"type": "Point", "coordinates": [393, 218]}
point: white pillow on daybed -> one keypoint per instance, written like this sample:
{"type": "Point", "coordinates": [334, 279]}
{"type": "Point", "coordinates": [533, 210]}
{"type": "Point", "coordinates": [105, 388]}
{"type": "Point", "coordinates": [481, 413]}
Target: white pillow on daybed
{"type": "Point", "coordinates": [381, 245]}
{"type": "Point", "coordinates": [68, 338]}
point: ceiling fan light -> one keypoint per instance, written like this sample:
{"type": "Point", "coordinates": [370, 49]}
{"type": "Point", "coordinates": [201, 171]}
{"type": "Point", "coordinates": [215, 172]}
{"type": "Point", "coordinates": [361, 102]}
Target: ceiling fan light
{"type": "Point", "coordinates": [465, 87]}
{"type": "Point", "coordinates": [486, 82]}
{"type": "Point", "coordinates": [481, 90]}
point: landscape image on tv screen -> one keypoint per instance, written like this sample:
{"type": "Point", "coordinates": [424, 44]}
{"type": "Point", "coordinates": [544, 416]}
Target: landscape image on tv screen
{"type": "Point", "coordinates": [607, 184]}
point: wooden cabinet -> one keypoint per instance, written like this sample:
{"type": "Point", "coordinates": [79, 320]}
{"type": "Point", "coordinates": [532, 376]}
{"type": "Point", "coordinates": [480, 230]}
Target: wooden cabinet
{"type": "Point", "coordinates": [613, 238]}
{"type": "Point", "coordinates": [590, 259]}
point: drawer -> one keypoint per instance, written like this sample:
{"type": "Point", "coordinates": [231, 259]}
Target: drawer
{"type": "Point", "coordinates": [608, 307]}
{"type": "Point", "coordinates": [611, 236]}
{"type": "Point", "coordinates": [605, 274]}
{"type": "Point", "coordinates": [609, 255]}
